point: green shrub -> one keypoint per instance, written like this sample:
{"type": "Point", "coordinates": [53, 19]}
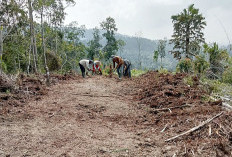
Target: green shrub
{"type": "Point", "coordinates": [184, 65]}
{"type": "Point", "coordinates": [188, 80]}
{"type": "Point", "coordinates": [106, 71]}
{"type": "Point", "coordinates": [53, 62]}
{"type": "Point", "coordinates": [163, 71]}
{"type": "Point", "coordinates": [227, 76]}
{"type": "Point", "coordinates": [200, 64]}
{"type": "Point", "coordinates": [136, 72]}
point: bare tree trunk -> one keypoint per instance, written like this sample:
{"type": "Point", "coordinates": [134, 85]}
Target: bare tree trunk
{"type": "Point", "coordinates": [33, 40]}
{"type": "Point", "coordinates": [44, 49]}
{"type": "Point", "coordinates": [56, 39]}
{"type": "Point", "coordinates": [29, 60]}
{"type": "Point", "coordinates": [1, 48]}
{"type": "Point", "coordinates": [161, 58]}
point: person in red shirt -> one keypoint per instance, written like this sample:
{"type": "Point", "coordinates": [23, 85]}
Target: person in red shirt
{"type": "Point", "coordinates": [96, 66]}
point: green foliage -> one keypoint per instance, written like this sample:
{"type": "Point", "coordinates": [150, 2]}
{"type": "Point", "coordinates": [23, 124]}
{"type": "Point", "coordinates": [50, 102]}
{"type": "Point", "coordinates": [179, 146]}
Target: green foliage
{"type": "Point", "coordinates": [200, 64]}
{"type": "Point", "coordinates": [156, 55]}
{"type": "Point", "coordinates": [137, 72]}
{"type": "Point", "coordinates": [161, 51]}
{"type": "Point", "coordinates": [106, 71]}
{"type": "Point", "coordinates": [184, 65]}
{"type": "Point", "coordinates": [94, 45]}
{"type": "Point", "coordinates": [163, 71]}
{"type": "Point", "coordinates": [227, 74]}
{"type": "Point", "coordinates": [216, 87]}
{"type": "Point", "coordinates": [53, 62]}
{"type": "Point", "coordinates": [111, 46]}
{"type": "Point", "coordinates": [217, 58]}
{"type": "Point", "coordinates": [188, 34]}
{"type": "Point", "coordinates": [188, 80]}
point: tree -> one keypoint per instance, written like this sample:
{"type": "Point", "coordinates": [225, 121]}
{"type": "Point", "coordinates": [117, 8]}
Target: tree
{"type": "Point", "coordinates": [111, 46]}
{"type": "Point", "coordinates": [188, 34]}
{"type": "Point", "coordinates": [217, 58]}
{"type": "Point", "coordinates": [161, 51]}
{"type": "Point", "coordinates": [74, 50]}
{"type": "Point", "coordinates": [94, 45]}
{"type": "Point", "coordinates": [13, 17]}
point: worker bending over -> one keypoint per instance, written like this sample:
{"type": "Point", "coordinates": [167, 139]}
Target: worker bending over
{"type": "Point", "coordinates": [127, 68]}
{"type": "Point", "coordinates": [120, 62]}
{"type": "Point", "coordinates": [96, 65]}
{"type": "Point", "coordinates": [85, 65]}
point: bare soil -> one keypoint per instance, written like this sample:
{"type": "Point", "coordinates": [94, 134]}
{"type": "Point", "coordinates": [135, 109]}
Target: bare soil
{"type": "Point", "coordinates": [100, 116]}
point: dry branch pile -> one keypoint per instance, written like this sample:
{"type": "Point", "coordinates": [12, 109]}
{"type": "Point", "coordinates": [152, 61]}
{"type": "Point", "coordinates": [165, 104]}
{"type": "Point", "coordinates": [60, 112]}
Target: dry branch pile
{"type": "Point", "coordinates": [180, 111]}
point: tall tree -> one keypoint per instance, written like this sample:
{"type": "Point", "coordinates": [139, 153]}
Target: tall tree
{"type": "Point", "coordinates": [13, 17]}
{"type": "Point", "coordinates": [94, 45]}
{"type": "Point", "coordinates": [33, 37]}
{"type": "Point", "coordinates": [111, 46]}
{"type": "Point", "coordinates": [188, 32]}
{"type": "Point", "coordinates": [161, 50]}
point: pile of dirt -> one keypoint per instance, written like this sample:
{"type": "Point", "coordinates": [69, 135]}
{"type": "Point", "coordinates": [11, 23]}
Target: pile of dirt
{"type": "Point", "coordinates": [176, 107]}
{"type": "Point", "coordinates": [167, 90]}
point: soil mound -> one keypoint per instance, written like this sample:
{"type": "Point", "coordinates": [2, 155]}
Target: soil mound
{"type": "Point", "coordinates": [176, 107]}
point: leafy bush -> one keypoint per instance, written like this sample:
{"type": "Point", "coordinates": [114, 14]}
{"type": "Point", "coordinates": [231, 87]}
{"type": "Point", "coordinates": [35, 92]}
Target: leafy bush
{"type": "Point", "coordinates": [200, 64]}
{"type": "Point", "coordinates": [163, 71]}
{"type": "Point", "coordinates": [184, 65]}
{"type": "Point", "coordinates": [106, 71]}
{"type": "Point", "coordinates": [53, 62]}
{"type": "Point", "coordinates": [188, 80]}
{"type": "Point", "coordinates": [136, 72]}
{"type": "Point", "coordinates": [227, 76]}
{"type": "Point", "coordinates": [217, 58]}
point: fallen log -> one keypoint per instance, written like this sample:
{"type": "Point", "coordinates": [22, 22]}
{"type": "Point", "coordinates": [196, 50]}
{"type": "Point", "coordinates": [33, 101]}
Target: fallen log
{"type": "Point", "coordinates": [195, 128]}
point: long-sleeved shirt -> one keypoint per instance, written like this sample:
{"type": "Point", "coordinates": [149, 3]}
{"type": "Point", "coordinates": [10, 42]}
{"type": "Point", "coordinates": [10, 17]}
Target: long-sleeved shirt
{"type": "Point", "coordinates": [85, 63]}
{"type": "Point", "coordinates": [117, 60]}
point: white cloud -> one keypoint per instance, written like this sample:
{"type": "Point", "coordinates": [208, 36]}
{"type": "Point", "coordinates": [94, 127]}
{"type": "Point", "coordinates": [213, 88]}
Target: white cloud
{"type": "Point", "coordinates": [152, 17]}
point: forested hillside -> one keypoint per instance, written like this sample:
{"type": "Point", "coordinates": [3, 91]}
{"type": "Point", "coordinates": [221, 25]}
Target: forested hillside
{"type": "Point", "coordinates": [131, 52]}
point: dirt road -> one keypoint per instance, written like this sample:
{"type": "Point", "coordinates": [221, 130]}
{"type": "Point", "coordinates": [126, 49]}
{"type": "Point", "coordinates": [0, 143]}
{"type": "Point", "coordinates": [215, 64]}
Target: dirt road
{"type": "Point", "coordinates": [88, 117]}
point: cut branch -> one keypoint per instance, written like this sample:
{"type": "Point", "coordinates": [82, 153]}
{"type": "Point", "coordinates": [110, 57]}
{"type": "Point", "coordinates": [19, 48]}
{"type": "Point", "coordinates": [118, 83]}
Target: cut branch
{"type": "Point", "coordinates": [168, 109]}
{"type": "Point", "coordinates": [93, 95]}
{"type": "Point", "coordinates": [195, 128]}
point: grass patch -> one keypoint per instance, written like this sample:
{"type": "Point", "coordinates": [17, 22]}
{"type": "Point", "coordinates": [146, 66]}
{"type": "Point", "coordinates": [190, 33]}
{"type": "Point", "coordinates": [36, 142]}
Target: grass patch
{"type": "Point", "coordinates": [217, 87]}
{"type": "Point", "coordinates": [136, 72]}
{"type": "Point", "coordinates": [188, 80]}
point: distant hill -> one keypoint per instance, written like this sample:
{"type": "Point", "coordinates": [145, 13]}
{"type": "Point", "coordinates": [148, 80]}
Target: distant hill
{"type": "Point", "coordinates": [131, 52]}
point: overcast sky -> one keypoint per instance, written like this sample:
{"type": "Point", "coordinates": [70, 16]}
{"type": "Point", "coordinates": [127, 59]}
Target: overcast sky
{"type": "Point", "coordinates": [153, 17]}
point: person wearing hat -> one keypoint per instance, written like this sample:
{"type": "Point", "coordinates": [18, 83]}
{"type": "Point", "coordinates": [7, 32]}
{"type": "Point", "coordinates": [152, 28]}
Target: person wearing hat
{"type": "Point", "coordinates": [85, 65]}
{"type": "Point", "coordinates": [120, 62]}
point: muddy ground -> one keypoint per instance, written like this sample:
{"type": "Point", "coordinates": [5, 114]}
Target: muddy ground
{"type": "Point", "coordinates": [100, 116]}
